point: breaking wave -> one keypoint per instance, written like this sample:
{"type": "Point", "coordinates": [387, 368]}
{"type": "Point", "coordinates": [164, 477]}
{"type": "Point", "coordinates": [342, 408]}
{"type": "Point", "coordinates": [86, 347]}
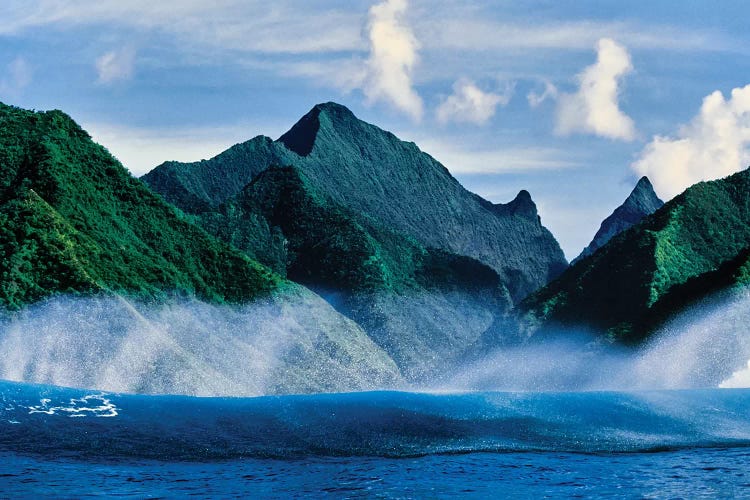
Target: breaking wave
{"type": "Point", "coordinates": [37, 420]}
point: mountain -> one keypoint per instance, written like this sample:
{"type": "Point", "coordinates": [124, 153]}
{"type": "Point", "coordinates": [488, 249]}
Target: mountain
{"type": "Point", "coordinates": [641, 202]}
{"type": "Point", "coordinates": [75, 223]}
{"type": "Point", "coordinates": [372, 172]}
{"type": "Point", "coordinates": [74, 220]}
{"type": "Point", "coordinates": [423, 306]}
{"type": "Point", "coordinates": [696, 244]}
{"type": "Point", "coordinates": [378, 228]}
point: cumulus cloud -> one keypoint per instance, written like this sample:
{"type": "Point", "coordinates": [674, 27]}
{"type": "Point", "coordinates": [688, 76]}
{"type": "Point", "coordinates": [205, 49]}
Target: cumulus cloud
{"type": "Point", "coordinates": [17, 77]}
{"type": "Point", "coordinates": [470, 104]}
{"type": "Point", "coordinates": [715, 143]}
{"type": "Point", "coordinates": [393, 55]}
{"type": "Point", "coordinates": [535, 99]}
{"type": "Point", "coordinates": [116, 66]}
{"type": "Point", "coordinates": [594, 108]}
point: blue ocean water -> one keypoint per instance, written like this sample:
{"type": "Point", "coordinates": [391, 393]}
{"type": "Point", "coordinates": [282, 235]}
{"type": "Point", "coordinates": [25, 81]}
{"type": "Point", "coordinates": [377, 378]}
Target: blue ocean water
{"type": "Point", "coordinates": [75, 443]}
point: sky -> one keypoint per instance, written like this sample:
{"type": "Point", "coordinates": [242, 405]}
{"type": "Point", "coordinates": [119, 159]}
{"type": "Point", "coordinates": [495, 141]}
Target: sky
{"type": "Point", "coordinates": [570, 100]}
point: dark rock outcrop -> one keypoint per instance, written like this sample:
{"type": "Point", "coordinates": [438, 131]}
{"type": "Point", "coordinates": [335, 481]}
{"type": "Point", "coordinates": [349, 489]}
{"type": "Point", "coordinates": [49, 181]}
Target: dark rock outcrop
{"type": "Point", "coordinates": [641, 202]}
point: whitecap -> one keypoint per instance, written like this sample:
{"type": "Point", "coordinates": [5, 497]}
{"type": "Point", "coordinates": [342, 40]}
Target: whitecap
{"type": "Point", "coordinates": [78, 407]}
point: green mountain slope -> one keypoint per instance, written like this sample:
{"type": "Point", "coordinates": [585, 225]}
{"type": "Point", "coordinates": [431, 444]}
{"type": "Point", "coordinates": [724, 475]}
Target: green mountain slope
{"type": "Point", "coordinates": [422, 306]}
{"type": "Point", "coordinates": [204, 185]}
{"type": "Point", "coordinates": [695, 244]}
{"type": "Point", "coordinates": [73, 219]}
{"type": "Point", "coordinates": [371, 172]}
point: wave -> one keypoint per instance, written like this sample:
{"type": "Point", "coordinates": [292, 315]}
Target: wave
{"type": "Point", "coordinates": [705, 346]}
{"type": "Point", "coordinates": [73, 423]}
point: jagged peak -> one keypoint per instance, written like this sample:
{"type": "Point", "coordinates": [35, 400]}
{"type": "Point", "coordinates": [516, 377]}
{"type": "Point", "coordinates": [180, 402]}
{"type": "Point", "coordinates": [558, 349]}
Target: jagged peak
{"type": "Point", "coordinates": [521, 205]}
{"type": "Point", "coordinates": [641, 202]}
{"type": "Point", "coordinates": [643, 196]}
{"type": "Point", "coordinates": [523, 196]}
{"type": "Point", "coordinates": [643, 184]}
{"type": "Point", "coordinates": [301, 137]}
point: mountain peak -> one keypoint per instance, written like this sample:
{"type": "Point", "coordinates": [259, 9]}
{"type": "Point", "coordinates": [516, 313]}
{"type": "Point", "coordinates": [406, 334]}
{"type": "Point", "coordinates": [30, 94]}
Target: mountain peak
{"type": "Point", "coordinates": [521, 205]}
{"type": "Point", "coordinates": [335, 109]}
{"type": "Point", "coordinates": [641, 202]}
{"type": "Point", "coordinates": [301, 137]}
{"type": "Point", "coordinates": [643, 197]}
{"type": "Point", "coordinates": [643, 183]}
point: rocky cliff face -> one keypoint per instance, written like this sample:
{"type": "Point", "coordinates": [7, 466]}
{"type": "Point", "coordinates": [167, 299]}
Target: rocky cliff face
{"type": "Point", "coordinates": [641, 202]}
{"type": "Point", "coordinates": [372, 172]}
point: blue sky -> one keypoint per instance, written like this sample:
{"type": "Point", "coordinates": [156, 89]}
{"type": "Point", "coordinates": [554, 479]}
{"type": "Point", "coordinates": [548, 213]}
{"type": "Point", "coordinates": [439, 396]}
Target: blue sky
{"type": "Point", "coordinates": [572, 101]}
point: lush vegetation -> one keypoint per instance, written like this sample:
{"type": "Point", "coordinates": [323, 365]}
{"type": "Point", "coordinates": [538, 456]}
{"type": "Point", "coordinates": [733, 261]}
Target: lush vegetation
{"type": "Point", "coordinates": [697, 243]}
{"type": "Point", "coordinates": [280, 218]}
{"type": "Point", "coordinates": [204, 185]}
{"type": "Point", "coordinates": [388, 181]}
{"type": "Point", "coordinates": [73, 220]}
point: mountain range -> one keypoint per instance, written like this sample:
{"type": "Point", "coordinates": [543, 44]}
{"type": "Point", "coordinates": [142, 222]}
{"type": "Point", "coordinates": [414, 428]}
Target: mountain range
{"type": "Point", "coordinates": [383, 266]}
{"type": "Point", "coordinates": [372, 172]}
{"type": "Point", "coordinates": [73, 221]}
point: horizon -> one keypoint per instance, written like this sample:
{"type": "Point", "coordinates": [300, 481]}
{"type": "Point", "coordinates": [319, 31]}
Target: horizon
{"type": "Point", "coordinates": [574, 104]}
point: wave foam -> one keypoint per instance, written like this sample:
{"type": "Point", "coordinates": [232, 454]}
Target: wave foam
{"type": "Point", "coordinates": [74, 408]}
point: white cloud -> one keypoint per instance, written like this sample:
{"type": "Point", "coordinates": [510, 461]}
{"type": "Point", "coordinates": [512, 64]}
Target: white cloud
{"type": "Point", "coordinates": [116, 66]}
{"type": "Point", "coordinates": [242, 25]}
{"type": "Point", "coordinates": [594, 108]}
{"type": "Point", "coordinates": [393, 55]}
{"type": "Point", "coordinates": [476, 28]}
{"type": "Point", "coordinates": [715, 143]}
{"type": "Point", "coordinates": [535, 99]}
{"type": "Point", "coordinates": [302, 27]}
{"type": "Point", "coordinates": [470, 104]}
{"type": "Point", "coordinates": [18, 76]}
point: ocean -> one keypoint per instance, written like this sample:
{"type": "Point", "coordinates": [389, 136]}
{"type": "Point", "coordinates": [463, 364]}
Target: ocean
{"type": "Point", "coordinates": [650, 444]}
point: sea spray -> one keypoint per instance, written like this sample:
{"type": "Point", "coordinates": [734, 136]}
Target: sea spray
{"type": "Point", "coordinates": [700, 348]}
{"type": "Point", "coordinates": [301, 345]}
{"type": "Point", "coordinates": [295, 344]}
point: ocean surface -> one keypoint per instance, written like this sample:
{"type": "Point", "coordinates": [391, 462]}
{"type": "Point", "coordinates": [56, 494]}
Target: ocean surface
{"type": "Point", "coordinates": [653, 444]}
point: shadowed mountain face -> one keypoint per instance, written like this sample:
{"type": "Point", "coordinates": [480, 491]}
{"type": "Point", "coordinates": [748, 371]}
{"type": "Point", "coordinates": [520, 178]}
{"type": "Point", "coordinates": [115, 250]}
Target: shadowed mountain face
{"type": "Point", "coordinates": [371, 172]}
{"type": "Point", "coordinates": [423, 306]}
{"type": "Point", "coordinates": [641, 202]}
{"type": "Point", "coordinates": [694, 245]}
